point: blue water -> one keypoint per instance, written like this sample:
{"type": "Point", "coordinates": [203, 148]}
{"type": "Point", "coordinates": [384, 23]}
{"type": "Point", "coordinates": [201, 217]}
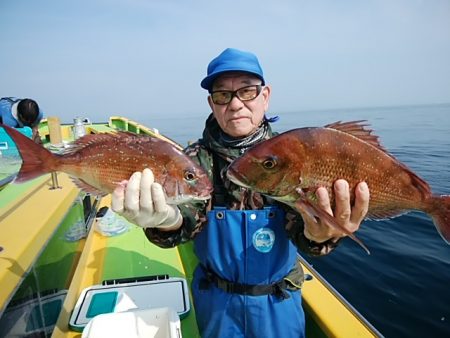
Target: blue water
{"type": "Point", "coordinates": [402, 288]}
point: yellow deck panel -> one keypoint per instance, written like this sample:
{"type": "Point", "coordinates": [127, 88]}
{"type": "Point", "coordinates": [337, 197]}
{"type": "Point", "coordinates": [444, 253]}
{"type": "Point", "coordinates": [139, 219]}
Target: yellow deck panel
{"type": "Point", "coordinates": [27, 224]}
{"type": "Point", "coordinates": [332, 314]}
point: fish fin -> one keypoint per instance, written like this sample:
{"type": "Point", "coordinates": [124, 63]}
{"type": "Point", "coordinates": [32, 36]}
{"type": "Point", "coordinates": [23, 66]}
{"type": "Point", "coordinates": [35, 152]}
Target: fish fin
{"type": "Point", "coordinates": [115, 136]}
{"type": "Point", "coordinates": [440, 213]}
{"type": "Point", "coordinates": [315, 212]}
{"type": "Point", "coordinates": [358, 130]}
{"type": "Point", "coordinates": [86, 187]}
{"type": "Point", "coordinates": [87, 140]}
{"type": "Point", "coordinates": [36, 160]}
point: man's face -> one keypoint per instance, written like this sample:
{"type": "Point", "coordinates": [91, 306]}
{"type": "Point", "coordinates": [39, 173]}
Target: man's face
{"type": "Point", "coordinates": [239, 118]}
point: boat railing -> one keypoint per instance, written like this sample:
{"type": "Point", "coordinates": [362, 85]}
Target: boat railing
{"type": "Point", "coordinates": [330, 311]}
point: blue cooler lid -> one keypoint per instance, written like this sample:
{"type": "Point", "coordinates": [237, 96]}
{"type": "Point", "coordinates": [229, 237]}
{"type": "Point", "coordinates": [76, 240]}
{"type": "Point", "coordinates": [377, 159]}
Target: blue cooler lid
{"type": "Point", "coordinates": [7, 145]}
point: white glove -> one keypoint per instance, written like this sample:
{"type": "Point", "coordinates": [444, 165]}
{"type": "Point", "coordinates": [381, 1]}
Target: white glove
{"type": "Point", "coordinates": [142, 202]}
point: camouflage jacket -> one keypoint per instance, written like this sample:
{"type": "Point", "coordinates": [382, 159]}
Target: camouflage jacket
{"type": "Point", "coordinates": [214, 158]}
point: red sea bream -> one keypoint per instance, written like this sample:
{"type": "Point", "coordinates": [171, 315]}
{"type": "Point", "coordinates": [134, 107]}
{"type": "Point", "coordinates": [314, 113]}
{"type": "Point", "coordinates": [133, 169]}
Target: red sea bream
{"type": "Point", "coordinates": [99, 162]}
{"type": "Point", "coordinates": [291, 166]}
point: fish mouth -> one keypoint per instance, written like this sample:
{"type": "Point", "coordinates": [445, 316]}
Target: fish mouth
{"type": "Point", "coordinates": [234, 177]}
{"type": "Point", "coordinates": [288, 199]}
{"type": "Point", "coordinates": [181, 199]}
{"type": "Point", "coordinates": [287, 196]}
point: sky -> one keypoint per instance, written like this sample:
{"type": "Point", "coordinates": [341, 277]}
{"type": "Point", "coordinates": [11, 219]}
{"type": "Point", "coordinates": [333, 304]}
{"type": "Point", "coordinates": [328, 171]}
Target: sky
{"type": "Point", "coordinates": [99, 58]}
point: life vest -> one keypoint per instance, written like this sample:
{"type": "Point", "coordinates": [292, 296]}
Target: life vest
{"type": "Point", "coordinates": [6, 116]}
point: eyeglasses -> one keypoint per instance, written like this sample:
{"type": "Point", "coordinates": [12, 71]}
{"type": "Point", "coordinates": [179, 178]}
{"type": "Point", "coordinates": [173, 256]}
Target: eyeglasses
{"type": "Point", "coordinates": [247, 93]}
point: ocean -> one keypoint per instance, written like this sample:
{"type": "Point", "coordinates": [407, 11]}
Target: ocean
{"type": "Point", "coordinates": [402, 287]}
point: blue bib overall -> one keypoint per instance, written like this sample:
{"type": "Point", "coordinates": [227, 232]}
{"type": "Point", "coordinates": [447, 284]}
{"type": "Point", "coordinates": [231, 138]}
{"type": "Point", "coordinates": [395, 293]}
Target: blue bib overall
{"type": "Point", "coordinates": [246, 247]}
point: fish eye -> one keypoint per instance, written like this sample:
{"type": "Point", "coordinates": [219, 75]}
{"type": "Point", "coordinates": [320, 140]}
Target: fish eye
{"type": "Point", "coordinates": [269, 163]}
{"type": "Point", "coordinates": [189, 175]}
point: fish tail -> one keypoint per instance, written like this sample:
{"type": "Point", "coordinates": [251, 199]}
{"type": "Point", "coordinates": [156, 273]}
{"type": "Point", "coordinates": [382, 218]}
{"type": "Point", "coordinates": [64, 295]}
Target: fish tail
{"type": "Point", "coordinates": [36, 160]}
{"type": "Point", "coordinates": [440, 213]}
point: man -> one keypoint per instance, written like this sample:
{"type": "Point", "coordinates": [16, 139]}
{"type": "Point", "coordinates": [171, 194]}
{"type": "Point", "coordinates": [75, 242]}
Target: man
{"type": "Point", "coordinates": [248, 281]}
{"type": "Point", "coordinates": [20, 113]}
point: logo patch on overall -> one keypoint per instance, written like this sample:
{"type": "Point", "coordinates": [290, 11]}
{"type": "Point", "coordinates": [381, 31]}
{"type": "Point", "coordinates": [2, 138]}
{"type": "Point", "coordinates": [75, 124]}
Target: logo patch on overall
{"type": "Point", "coordinates": [263, 239]}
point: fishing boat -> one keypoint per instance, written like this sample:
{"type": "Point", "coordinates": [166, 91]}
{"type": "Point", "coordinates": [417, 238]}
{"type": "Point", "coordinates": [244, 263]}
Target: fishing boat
{"type": "Point", "coordinates": [60, 247]}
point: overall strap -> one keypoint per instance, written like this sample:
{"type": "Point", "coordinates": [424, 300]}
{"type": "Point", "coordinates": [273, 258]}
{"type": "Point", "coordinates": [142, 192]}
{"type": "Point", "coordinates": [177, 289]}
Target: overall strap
{"type": "Point", "coordinates": [293, 281]}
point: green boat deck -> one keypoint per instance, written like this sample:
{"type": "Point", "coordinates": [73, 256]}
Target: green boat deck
{"type": "Point", "coordinates": [127, 255]}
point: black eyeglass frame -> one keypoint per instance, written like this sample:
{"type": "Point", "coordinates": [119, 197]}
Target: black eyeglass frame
{"type": "Point", "coordinates": [234, 93]}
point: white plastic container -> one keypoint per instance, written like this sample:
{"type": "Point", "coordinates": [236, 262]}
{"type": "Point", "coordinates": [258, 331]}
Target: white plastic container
{"type": "Point", "coordinates": [151, 323]}
{"type": "Point", "coordinates": [119, 296]}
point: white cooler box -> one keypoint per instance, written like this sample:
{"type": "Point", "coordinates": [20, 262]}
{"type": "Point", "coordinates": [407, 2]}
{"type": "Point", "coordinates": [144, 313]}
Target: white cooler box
{"type": "Point", "coordinates": [150, 301]}
{"type": "Point", "coordinates": [152, 323]}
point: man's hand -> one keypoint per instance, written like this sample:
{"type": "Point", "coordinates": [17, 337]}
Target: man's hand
{"type": "Point", "coordinates": [142, 202]}
{"type": "Point", "coordinates": [347, 216]}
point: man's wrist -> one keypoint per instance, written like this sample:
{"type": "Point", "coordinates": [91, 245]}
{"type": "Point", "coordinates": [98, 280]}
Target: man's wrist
{"type": "Point", "coordinates": [315, 239]}
{"type": "Point", "coordinates": [321, 248]}
{"type": "Point", "coordinates": [174, 223]}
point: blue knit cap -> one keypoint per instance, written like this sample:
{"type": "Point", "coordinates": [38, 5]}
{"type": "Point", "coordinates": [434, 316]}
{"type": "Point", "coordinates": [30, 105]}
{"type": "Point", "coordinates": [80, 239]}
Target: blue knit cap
{"type": "Point", "coordinates": [232, 60]}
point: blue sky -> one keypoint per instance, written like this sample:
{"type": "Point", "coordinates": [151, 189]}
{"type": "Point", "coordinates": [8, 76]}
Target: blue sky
{"type": "Point", "coordinates": [134, 57]}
